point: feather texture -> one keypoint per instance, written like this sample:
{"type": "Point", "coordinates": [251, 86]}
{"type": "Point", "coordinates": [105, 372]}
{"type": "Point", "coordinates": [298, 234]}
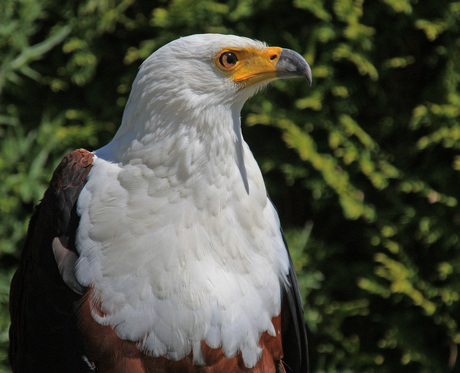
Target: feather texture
{"type": "Point", "coordinates": [206, 262]}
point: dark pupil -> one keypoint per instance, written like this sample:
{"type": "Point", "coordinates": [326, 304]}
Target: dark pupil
{"type": "Point", "coordinates": [228, 58]}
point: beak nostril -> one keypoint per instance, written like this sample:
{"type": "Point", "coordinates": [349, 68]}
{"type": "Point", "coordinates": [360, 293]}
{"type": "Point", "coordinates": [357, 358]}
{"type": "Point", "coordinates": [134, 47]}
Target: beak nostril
{"type": "Point", "coordinates": [273, 57]}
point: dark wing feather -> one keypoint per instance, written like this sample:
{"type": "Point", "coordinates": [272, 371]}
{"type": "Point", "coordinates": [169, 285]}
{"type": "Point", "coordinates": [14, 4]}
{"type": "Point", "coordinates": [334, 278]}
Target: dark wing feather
{"type": "Point", "coordinates": [44, 336]}
{"type": "Point", "coordinates": [294, 334]}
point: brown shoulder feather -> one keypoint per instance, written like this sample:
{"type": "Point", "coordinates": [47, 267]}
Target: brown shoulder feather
{"type": "Point", "coordinates": [43, 332]}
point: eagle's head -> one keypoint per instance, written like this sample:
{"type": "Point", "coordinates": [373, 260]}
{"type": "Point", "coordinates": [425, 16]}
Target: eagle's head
{"type": "Point", "coordinates": [201, 79]}
{"type": "Point", "coordinates": [214, 69]}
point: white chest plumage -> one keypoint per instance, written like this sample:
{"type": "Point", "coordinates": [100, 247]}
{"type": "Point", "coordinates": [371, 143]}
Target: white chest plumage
{"type": "Point", "coordinates": [182, 251]}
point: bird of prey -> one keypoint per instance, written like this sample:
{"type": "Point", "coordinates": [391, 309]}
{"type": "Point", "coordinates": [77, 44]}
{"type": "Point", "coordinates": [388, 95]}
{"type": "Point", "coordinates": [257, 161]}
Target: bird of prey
{"type": "Point", "coordinates": [161, 252]}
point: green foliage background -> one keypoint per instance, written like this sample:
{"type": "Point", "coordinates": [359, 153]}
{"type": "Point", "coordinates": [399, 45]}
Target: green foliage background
{"type": "Point", "coordinates": [363, 167]}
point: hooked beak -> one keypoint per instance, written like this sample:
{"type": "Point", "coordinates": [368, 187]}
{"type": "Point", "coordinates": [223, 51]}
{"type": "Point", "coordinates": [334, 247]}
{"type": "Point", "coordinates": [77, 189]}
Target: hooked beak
{"type": "Point", "coordinates": [292, 65]}
{"type": "Point", "coordinates": [255, 66]}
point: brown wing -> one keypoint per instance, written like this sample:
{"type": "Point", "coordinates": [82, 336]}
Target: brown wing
{"type": "Point", "coordinates": [44, 336]}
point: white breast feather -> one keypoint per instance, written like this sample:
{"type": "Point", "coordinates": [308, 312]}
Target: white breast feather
{"type": "Point", "coordinates": [174, 268]}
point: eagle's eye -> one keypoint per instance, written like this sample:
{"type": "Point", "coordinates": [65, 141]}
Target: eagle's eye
{"type": "Point", "coordinates": [228, 59]}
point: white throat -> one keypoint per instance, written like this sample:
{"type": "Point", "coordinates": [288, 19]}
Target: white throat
{"type": "Point", "coordinates": [185, 147]}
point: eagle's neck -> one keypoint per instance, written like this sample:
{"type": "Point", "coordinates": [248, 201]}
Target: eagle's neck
{"type": "Point", "coordinates": [184, 142]}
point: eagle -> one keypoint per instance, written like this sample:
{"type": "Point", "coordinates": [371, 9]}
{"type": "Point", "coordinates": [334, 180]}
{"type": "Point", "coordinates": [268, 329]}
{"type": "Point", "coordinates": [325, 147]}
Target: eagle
{"type": "Point", "coordinates": [161, 251]}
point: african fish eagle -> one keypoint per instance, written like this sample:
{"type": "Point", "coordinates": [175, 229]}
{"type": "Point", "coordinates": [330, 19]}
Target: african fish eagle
{"type": "Point", "coordinates": [161, 252]}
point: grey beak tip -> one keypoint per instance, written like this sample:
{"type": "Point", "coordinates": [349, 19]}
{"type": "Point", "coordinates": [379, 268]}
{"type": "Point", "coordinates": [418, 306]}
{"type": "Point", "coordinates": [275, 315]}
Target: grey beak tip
{"type": "Point", "coordinates": [292, 65]}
